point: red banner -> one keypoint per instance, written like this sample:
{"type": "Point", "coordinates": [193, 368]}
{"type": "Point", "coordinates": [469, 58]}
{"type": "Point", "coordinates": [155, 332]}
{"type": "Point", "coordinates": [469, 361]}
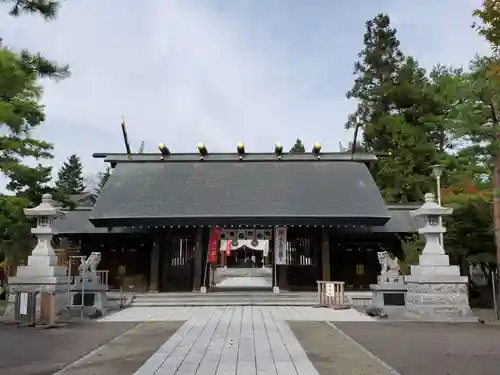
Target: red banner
{"type": "Point", "coordinates": [228, 248]}
{"type": "Point", "coordinates": [213, 244]}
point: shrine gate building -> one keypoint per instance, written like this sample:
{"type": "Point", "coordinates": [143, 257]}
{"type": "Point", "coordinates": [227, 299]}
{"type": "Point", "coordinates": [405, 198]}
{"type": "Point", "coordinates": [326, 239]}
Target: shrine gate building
{"type": "Point", "coordinates": [152, 220]}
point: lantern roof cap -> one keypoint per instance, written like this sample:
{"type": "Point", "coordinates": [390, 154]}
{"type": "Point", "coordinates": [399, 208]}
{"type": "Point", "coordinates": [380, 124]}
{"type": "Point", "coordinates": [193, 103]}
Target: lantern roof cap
{"type": "Point", "coordinates": [45, 208]}
{"type": "Point", "coordinates": [431, 208]}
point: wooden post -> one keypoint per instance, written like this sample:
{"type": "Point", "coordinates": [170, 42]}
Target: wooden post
{"type": "Point", "coordinates": [198, 258]}
{"type": "Point", "coordinates": [325, 254]}
{"type": "Point", "coordinates": [154, 274]}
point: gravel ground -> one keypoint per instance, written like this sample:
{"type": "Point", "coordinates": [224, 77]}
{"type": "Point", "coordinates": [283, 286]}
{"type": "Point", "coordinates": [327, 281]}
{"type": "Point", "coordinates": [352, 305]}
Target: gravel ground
{"type": "Point", "coordinates": [332, 353]}
{"type": "Point", "coordinates": [31, 351]}
{"type": "Point", "coordinates": [124, 355]}
{"type": "Point", "coordinates": [431, 348]}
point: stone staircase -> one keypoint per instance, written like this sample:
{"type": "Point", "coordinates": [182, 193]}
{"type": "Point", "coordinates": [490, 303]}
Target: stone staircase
{"type": "Point", "coordinates": [220, 298]}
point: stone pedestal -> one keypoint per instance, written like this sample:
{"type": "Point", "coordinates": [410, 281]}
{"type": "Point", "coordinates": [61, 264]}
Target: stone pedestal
{"type": "Point", "coordinates": [88, 284]}
{"type": "Point", "coordinates": [98, 293]}
{"type": "Point", "coordinates": [438, 299]}
{"type": "Point", "coordinates": [389, 297]}
{"type": "Point", "coordinates": [42, 273]}
{"type": "Point", "coordinates": [389, 294]}
{"type": "Point", "coordinates": [436, 291]}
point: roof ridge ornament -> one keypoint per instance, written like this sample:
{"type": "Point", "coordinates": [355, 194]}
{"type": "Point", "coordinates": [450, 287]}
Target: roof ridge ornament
{"type": "Point", "coordinates": [278, 150]}
{"type": "Point", "coordinates": [202, 149]}
{"type": "Point", "coordinates": [240, 147]}
{"type": "Point", "coordinates": [317, 149]}
{"type": "Point", "coordinates": [164, 150]}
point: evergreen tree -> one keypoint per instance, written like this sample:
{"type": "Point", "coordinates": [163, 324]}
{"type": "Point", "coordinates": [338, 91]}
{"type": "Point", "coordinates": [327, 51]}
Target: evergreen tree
{"type": "Point", "coordinates": [20, 114]}
{"type": "Point", "coordinates": [375, 71]}
{"type": "Point", "coordinates": [394, 114]}
{"type": "Point", "coordinates": [484, 122]}
{"type": "Point", "coordinates": [103, 179]}
{"type": "Point", "coordinates": [46, 8]}
{"type": "Point", "coordinates": [70, 178]}
{"type": "Point", "coordinates": [298, 147]}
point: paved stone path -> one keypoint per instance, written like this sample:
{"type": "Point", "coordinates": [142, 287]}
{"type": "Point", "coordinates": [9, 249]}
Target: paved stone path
{"type": "Point", "coordinates": [231, 340]}
{"type": "Point", "coordinates": [279, 313]}
{"type": "Point", "coordinates": [244, 282]}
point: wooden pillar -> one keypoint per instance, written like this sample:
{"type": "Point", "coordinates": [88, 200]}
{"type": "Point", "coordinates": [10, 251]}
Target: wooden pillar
{"type": "Point", "coordinates": [325, 254]}
{"type": "Point", "coordinates": [198, 259]}
{"type": "Point", "coordinates": [154, 273]}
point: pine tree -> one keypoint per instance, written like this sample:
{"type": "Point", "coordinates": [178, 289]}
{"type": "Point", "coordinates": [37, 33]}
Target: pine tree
{"type": "Point", "coordinates": [46, 8]}
{"type": "Point", "coordinates": [70, 178]}
{"type": "Point", "coordinates": [298, 147]}
{"type": "Point", "coordinates": [20, 114]}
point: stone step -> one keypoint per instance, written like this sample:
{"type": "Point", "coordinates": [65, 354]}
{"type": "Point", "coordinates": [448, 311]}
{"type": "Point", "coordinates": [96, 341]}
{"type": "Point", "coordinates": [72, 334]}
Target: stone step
{"type": "Point", "coordinates": [226, 299]}
{"type": "Point", "coordinates": [223, 303]}
{"type": "Point", "coordinates": [223, 294]}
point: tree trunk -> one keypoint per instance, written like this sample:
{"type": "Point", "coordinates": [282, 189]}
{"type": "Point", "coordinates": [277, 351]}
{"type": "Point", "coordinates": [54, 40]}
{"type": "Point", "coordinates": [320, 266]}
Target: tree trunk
{"type": "Point", "coordinates": [496, 214]}
{"type": "Point", "coordinates": [496, 194]}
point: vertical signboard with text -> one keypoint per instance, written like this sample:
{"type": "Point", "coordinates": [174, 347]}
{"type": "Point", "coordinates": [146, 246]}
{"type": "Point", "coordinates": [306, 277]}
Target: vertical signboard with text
{"type": "Point", "coordinates": [280, 245]}
{"type": "Point", "coordinates": [228, 248]}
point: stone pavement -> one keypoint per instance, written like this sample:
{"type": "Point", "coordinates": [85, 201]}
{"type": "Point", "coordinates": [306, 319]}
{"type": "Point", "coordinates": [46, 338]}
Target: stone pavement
{"type": "Point", "coordinates": [229, 341]}
{"type": "Point", "coordinates": [256, 340]}
{"type": "Point", "coordinates": [279, 313]}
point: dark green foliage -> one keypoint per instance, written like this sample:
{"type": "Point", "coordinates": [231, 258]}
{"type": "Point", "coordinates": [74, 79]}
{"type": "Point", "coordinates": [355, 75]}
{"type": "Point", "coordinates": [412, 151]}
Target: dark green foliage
{"type": "Point", "coordinates": [103, 178]}
{"type": "Point", "coordinates": [46, 8]}
{"type": "Point", "coordinates": [470, 230]}
{"type": "Point", "coordinates": [20, 113]}
{"type": "Point", "coordinates": [400, 114]}
{"type": "Point", "coordinates": [70, 178]}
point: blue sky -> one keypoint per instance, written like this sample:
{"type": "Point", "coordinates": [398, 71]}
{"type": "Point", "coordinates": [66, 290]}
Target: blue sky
{"type": "Point", "coordinates": [219, 71]}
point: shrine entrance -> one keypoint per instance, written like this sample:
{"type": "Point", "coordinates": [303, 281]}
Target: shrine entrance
{"type": "Point", "coordinates": [244, 260]}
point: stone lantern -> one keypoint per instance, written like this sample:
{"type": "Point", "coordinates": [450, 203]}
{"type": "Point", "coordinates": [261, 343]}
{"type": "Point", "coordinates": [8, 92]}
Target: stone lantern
{"type": "Point", "coordinates": [42, 273]}
{"type": "Point", "coordinates": [436, 291]}
{"type": "Point", "coordinates": [43, 260]}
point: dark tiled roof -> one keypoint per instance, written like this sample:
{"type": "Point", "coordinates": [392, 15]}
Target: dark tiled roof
{"type": "Point", "coordinates": [77, 222]}
{"type": "Point", "coordinates": [83, 201]}
{"type": "Point", "coordinates": [306, 192]}
{"type": "Point", "coordinates": [401, 221]}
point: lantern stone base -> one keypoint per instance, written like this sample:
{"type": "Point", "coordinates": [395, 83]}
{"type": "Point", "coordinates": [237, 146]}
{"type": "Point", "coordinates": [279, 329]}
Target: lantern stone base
{"type": "Point", "coordinates": [438, 298]}
{"type": "Point", "coordinates": [58, 286]}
